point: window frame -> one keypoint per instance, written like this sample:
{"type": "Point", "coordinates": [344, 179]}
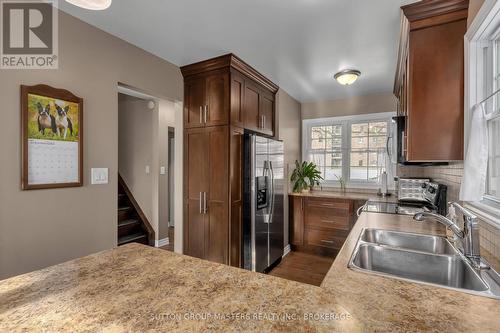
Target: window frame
{"type": "Point", "coordinates": [481, 44]}
{"type": "Point", "coordinates": [346, 122]}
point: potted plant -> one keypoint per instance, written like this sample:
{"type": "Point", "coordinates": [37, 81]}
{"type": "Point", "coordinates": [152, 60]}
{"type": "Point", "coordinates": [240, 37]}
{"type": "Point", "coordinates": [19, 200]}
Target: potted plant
{"type": "Point", "coordinates": [305, 176]}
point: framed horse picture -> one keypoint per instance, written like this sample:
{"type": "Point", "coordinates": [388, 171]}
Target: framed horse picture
{"type": "Point", "coordinates": [52, 138]}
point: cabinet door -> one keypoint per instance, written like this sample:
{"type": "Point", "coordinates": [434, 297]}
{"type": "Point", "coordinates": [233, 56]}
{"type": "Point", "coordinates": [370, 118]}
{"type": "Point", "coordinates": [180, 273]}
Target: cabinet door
{"type": "Point", "coordinates": [217, 92]}
{"type": "Point", "coordinates": [435, 114]}
{"type": "Point", "coordinates": [195, 178]}
{"type": "Point", "coordinates": [237, 95]}
{"type": "Point", "coordinates": [296, 220]}
{"type": "Point", "coordinates": [251, 106]}
{"type": "Point", "coordinates": [217, 224]}
{"type": "Point", "coordinates": [194, 102]}
{"type": "Point", "coordinates": [266, 113]}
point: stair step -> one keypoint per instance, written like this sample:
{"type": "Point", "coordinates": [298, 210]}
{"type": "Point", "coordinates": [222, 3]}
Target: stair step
{"type": "Point", "coordinates": [126, 223]}
{"type": "Point", "coordinates": [123, 208]}
{"type": "Point", "coordinates": [121, 195]}
{"type": "Point", "coordinates": [139, 238]}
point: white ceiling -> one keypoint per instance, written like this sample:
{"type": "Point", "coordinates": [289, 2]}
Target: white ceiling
{"type": "Point", "coordinates": [298, 44]}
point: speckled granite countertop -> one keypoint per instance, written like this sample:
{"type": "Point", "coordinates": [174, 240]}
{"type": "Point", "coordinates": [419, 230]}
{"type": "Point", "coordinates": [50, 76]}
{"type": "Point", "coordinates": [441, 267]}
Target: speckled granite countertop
{"type": "Point", "coordinates": [352, 195]}
{"type": "Point", "coordinates": [136, 288]}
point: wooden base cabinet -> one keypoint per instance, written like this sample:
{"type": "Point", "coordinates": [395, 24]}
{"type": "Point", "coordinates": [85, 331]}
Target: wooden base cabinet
{"type": "Point", "coordinates": [222, 97]}
{"type": "Point", "coordinates": [320, 225]}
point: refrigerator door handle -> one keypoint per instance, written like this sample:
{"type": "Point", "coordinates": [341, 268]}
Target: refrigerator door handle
{"type": "Point", "coordinates": [272, 193]}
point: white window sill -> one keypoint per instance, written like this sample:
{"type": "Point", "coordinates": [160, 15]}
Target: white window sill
{"type": "Point", "coordinates": [486, 213]}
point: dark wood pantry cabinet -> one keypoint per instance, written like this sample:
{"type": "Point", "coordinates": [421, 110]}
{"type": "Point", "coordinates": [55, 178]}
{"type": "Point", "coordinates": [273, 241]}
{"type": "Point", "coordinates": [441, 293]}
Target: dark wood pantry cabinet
{"type": "Point", "coordinates": [222, 97]}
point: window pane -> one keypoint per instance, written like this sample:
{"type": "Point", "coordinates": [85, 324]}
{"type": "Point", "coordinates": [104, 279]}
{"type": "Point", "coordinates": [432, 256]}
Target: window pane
{"type": "Point", "coordinates": [331, 173]}
{"type": "Point", "coordinates": [317, 132]}
{"type": "Point", "coordinates": [373, 159]}
{"type": "Point", "coordinates": [377, 142]}
{"type": "Point", "coordinates": [337, 130]}
{"type": "Point", "coordinates": [494, 159]}
{"type": "Point", "coordinates": [359, 143]}
{"type": "Point", "coordinates": [373, 174]}
{"type": "Point", "coordinates": [334, 159]}
{"type": "Point", "coordinates": [328, 131]}
{"type": "Point", "coordinates": [318, 144]}
{"type": "Point", "coordinates": [359, 162]}
{"type": "Point", "coordinates": [334, 143]}
{"type": "Point", "coordinates": [318, 159]}
{"type": "Point", "coordinates": [378, 128]}
{"type": "Point", "coordinates": [359, 130]}
{"type": "Point", "coordinates": [359, 159]}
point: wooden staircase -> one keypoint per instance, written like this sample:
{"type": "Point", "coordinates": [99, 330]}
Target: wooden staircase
{"type": "Point", "coordinates": [133, 226]}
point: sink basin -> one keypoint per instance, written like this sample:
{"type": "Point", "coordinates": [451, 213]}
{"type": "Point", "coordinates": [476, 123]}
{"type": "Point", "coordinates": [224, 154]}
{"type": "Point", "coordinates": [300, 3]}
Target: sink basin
{"type": "Point", "coordinates": [422, 259]}
{"type": "Point", "coordinates": [410, 241]}
{"type": "Point", "coordinates": [449, 271]}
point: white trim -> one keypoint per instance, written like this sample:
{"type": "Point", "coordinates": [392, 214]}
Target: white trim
{"type": "Point", "coordinates": [286, 250]}
{"type": "Point", "coordinates": [478, 37]}
{"type": "Point", "coordinates": [162, 242]}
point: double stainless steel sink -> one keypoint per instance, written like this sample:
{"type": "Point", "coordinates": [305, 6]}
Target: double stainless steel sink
{"type": "Point", "coordinates": [423, 259]}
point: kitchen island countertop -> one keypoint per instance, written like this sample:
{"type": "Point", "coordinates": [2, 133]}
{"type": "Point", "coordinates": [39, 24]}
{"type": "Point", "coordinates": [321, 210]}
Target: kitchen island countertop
{"type": "Point", "coordinates": [139, 288]}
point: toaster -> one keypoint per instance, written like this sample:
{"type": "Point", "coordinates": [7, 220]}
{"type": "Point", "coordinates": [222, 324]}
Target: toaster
{"type": "Point", "coordinates": [412, 189]}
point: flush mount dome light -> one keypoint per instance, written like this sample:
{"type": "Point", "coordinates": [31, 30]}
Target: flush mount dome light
{"type": "Point", "coordinates": [91, 4]}
{"type": "Point", "coordinates": [347, 76]}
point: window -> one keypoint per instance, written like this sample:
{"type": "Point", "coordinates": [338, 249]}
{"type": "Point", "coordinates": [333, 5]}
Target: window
{"type": "Point", "coordinates": [483, 82]}
{"type": "Point", "coordinates": [353, 148]}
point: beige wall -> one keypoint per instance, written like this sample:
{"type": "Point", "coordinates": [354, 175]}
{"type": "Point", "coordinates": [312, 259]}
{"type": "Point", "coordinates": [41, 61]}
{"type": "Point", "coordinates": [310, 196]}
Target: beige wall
{"type": "Point", "coordinates": [374, 103]}
{"type": "Point", "coordinates": [45, 227]}
{"type": "Point", "coordinates": [289, 111]}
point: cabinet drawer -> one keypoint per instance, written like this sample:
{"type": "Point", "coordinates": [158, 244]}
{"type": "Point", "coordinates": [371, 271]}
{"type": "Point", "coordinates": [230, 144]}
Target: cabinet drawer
{"type": "Point", "coordinates": [328, 213]}
{"type": "Point", "coordinates": [333, 239]}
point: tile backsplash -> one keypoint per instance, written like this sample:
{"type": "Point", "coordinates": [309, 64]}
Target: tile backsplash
{"type": "Point", "coordinates": [451, 175]}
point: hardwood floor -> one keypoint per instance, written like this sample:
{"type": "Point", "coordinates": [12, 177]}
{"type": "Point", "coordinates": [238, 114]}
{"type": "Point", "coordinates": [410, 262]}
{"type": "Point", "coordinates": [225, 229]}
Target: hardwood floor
{"type": "Point", "coordinates": [303, 267]}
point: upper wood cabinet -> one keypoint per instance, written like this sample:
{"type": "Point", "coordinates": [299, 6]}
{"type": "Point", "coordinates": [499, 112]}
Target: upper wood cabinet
{"type": "Point", "coordinates": [224, 91]}
{"type": "Point", "coordinates": [206, 100]}
{"type": "Point", "coordinates": [429, 81]}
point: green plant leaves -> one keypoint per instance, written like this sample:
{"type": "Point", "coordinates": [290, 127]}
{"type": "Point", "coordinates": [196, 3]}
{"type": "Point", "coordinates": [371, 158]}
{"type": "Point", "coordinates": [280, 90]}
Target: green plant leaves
{"type": "Point", "coordinates": [305, 175]}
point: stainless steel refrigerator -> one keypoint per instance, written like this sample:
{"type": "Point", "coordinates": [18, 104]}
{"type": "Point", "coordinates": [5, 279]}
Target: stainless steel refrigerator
{"type": "Point", "coordinates": [263, 202]}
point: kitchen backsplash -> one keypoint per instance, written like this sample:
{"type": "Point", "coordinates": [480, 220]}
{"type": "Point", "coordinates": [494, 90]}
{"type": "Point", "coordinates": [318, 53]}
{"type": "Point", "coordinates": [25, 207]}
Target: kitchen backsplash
{"type": "Point", "coordinates": [451, 175]}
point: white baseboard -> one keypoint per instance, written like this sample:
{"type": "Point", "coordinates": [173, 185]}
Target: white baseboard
{"type": "Point", "coordinates": [162, 242]}
{"type": "Point", "coordinates": [286, 250]}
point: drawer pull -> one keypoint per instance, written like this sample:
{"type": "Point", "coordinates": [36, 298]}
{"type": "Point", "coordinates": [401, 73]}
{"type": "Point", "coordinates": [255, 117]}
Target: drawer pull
{"type": "Point", "coordinates": [327, 221]}
{"type": "Point", "coordinates": [327, 241]}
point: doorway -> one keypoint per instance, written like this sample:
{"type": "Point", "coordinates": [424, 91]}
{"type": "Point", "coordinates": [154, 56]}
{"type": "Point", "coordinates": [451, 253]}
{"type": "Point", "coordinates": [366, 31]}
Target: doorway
{"type": "Point", "coordinates": [148, 160]}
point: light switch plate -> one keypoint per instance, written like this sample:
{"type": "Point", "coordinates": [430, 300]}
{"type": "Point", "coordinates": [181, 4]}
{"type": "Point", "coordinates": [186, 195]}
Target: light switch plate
{"type": "Point", "coordinates": [147, 169]}
{"type": "Point", "coordinates": [163, 170]}
{"type": "Point", "coordinates": [99, 176]}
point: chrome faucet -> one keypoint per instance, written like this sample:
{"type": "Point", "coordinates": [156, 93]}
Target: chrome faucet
{"type": "Point", "coordinates": [469, 236]}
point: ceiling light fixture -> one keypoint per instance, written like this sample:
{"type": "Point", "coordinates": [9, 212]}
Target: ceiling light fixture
{"type": "Point", "coordinates": [347, 76]}
{"type": "Point", "coordinates": [91, 4]}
